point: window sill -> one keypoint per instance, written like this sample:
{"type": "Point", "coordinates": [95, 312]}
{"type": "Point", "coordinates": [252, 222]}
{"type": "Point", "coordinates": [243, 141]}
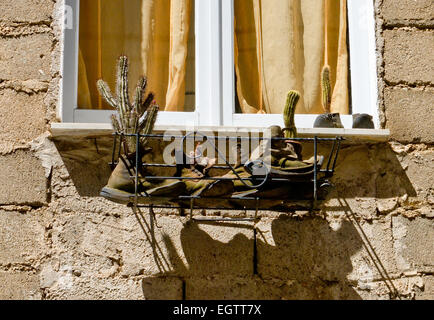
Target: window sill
{"type": "Point", "coordinates": [65, 130]}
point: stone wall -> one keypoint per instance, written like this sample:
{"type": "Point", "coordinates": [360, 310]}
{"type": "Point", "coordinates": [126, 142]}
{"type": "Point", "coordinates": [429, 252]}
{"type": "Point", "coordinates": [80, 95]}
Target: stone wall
{"type": "Point", "coordinates": [373, 238]}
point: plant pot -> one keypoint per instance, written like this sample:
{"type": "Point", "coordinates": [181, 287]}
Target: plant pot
{"type": "Point", "coordinates": [362, 121]}
{"type": "Point", "coordinates": [328, 120]}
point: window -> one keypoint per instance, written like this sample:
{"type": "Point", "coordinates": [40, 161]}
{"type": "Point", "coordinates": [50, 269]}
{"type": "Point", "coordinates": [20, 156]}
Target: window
{"type": "Point", "coordinates": [157, 37]}
{"type": "Point", "coordinates": [217, 70]}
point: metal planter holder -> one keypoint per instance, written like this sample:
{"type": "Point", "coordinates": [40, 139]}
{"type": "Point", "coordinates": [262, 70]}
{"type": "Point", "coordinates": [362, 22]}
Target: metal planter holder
{"type": "Point", "coordinates": [316, 180]}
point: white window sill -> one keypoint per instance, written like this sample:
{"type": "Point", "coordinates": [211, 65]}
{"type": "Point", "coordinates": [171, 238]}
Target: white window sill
{"type": "Point", "coordinates": [105, 129]}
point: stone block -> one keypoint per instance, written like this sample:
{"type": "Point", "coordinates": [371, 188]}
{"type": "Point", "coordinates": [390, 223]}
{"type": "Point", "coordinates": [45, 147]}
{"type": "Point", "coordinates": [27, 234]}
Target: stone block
{"type": "Point", "coordinates": [369, 173]}
{"type": "Point", "coordinates": [255, 288]}
{"type": "Point", "coordinates": [23, 117]}
{"type": "Point", "coordinates": [30, 57]}
{"type": "Point", "coordinates": [407, 56]}
{"type": "Point", "coordinates": [355, 173]}
{"type": "Point", "coordinates": [413, 242]}
{"type": "Point", "coordinates": [221, 288]}
{"type": "Point", "coordinates": [376, 259]}
{"type": "Point", "coordinates": [218, 249]}
{"type": "Point", "coordinates": [167, 288]}
{"type": "Point", "coordinates": [132, 245]}
{"type": "Point", "coordinates": [22, 239]}
{"type": "Point", "coordinates": [71, 287]}
{"type": "Point", "coordinates": [313, 250]}
{"type": "Point", "coordinates": [427, 292]}
{"type": "Point", "coordinates": [26, 10]}
{"type": "Point", "coordinates": [405, 288]}
{"type": "Point", "coordinates": [407, 114]}
{"type": "Point", "coordinates": [305, 250]}
{"type": "Point", "coordinates": [375, 180]}
{"type": "Point", "coordinates": [23, 179]}
{"type": "Point", "coordinates": [152, 246]}
{"type": "Point", "coordinates": [419, 169]}
{"type": "Point", "coordinates": [408, 12]}
{"type": "Point", "coordinates": [106, 246]}
{"type": "Point", "coordinates": [68, 283]}
{"type": "Point", "coordinates": [19, 286]}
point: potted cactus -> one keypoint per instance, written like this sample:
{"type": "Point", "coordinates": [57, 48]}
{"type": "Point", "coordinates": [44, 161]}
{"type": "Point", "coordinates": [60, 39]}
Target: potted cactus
{"type": "Point", "coordinates": [136, 117]}
{"type": "Point", "coordinates": [327, 119]}
{"type": "Point", "coordinates": [129, 119]}
{"type": "Point", "coordinates": [333, 120]}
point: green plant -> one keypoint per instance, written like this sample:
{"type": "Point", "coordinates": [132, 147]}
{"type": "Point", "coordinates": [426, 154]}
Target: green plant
{"type": "Point", "coordinates": [326, 89]}
{"type": "Point", "coordinates": [138, 117]}
{"type": "Point", "coordinates": [289, 113]}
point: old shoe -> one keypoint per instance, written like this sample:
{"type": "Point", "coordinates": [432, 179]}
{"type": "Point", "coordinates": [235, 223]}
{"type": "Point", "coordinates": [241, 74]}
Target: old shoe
{"type": "Point", "coordinates": [120, 187]}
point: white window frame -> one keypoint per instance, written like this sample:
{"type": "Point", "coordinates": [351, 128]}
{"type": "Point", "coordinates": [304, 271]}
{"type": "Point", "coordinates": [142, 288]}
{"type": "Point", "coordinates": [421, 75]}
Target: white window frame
{"type": "Point", "coordinates": [215, 83]}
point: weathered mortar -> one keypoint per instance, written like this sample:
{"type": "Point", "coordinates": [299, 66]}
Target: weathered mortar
{"type": "Point", "coordinates": [59, 240]}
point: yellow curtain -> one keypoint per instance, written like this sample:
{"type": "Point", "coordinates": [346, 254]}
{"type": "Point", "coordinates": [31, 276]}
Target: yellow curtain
{"type": "Point", "coordinates": [84, 97]}
{"type": "Point", "coordinates": [280, 45]}
{"type": "Point", "coordinates": [154, 34]}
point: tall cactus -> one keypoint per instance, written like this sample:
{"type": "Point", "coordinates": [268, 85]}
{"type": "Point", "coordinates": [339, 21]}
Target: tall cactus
{"type": "Point", "coordinates": [289, 113]}
{"type": "Point", "coordinates": [326, 89]}
{"type": "Point", "coordinates": [129, 114]}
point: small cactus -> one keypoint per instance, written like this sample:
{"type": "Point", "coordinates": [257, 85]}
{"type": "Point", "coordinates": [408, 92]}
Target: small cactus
{"type": "Point", "coordinates": [326, 89]}
{"type": "Point", "coordinates": [129, 115]}
{"type": "Point", "coordinates": [289, 113]}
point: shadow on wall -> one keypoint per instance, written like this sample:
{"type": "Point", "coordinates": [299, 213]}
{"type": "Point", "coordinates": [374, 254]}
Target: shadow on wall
{"type": "Point", "coordinates": [368, 171]}
{"type": "Point", "coordinates": [285, 258]}
{"type": "Point", "coordinates": [362, 171]}
{"type": "Point", "coordinates": [296, 259]}
{"type": "Point", "coordinates": [87, 161]}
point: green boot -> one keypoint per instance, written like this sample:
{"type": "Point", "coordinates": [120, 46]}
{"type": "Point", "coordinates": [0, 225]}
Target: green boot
{"type": "Point", "coordinates": [197, 183]}
{"type": "Point", "coordinates": [120, 187]}
{"type": "Point", "coordinates": [201, 186]}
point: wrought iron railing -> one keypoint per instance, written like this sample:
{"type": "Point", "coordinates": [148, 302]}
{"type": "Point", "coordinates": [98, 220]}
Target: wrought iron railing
{"type": "Point", "coordinates": [313, 184]}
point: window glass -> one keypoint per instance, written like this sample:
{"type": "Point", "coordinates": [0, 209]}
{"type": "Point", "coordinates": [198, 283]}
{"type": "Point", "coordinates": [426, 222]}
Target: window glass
{"type": "Point", "coordinates": [157, 37]}
{"type": "Point", "coordinates": [283, 45]}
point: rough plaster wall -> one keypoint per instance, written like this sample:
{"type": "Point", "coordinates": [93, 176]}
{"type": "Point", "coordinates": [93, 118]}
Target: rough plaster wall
{"type": "Point", "coordinates": [58, 240]}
